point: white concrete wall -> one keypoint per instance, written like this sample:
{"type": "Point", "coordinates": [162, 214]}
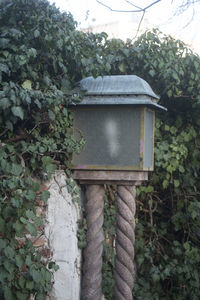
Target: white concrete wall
{"type": "Point", "coordinates": [61, 231]}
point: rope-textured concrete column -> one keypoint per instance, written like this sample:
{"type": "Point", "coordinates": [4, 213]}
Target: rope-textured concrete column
{"type": "Point", "coordinates": [92, 254]}
{"type": "Point", "coordinates": [125, 237]}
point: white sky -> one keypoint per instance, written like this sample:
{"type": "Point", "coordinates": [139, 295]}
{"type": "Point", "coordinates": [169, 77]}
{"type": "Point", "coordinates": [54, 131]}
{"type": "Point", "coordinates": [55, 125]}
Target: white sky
{"type": "Point", "coordinates": [163, 15]}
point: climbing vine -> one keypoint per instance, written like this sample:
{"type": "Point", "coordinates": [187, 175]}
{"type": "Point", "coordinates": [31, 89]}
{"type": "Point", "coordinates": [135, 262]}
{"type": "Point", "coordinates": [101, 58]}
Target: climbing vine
{"type": "Point", "coordinates": [42, 59]}
{"type": "Point", "coordinates": [168, 208]}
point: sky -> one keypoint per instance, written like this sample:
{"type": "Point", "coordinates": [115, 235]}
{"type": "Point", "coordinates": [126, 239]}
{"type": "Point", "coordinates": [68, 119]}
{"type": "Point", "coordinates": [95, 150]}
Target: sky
{"type": "Point", "coordinates": [165, 15]}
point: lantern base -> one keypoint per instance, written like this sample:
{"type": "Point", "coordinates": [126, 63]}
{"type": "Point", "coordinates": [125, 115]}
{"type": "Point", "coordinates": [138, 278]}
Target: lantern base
{"type": "Point", "coordinates": [110, 177]}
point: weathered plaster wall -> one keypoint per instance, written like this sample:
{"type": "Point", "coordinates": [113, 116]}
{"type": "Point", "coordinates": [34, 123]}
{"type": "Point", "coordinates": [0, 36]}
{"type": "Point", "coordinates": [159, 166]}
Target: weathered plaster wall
{"type": "Point", "coordinates": [61, 227]}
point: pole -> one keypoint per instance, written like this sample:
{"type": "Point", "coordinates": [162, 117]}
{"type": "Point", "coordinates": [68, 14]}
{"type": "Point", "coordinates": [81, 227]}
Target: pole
{"type": "Point", "coordinates": [92, 254]}
{"type": "Point", "coordinates": [125, 237]}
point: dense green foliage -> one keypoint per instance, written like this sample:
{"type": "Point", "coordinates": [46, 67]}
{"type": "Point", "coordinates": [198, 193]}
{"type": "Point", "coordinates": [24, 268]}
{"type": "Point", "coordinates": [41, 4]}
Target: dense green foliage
{"type": "Point", "coordinates": [168, 209]}
{"type": "Point", "coordinates": [42, 59]}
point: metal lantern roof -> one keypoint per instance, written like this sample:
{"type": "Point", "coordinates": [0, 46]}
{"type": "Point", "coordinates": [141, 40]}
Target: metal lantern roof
{"type": "Point", "coordinates": [118, 90]}
{"type": "Point", "coordinates": [117, 85]}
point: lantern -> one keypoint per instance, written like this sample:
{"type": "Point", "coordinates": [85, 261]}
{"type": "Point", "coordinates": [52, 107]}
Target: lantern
{"type": "Point", "coordinates": [116, 117]}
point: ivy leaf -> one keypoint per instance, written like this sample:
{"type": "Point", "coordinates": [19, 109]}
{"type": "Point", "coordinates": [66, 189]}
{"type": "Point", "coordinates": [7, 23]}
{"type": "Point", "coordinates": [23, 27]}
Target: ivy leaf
{"type": "Point", "coordinates": [8, 265]}
{"type": "Point", "coordinates": [19, 260]}
{"type": "Point", "coordinates": [40, 297]}
{"type": "Point", "coordinates": [23, 220]}
{"type": "Point", "coordinates": [2, 225]}
{"type": "Point", "coordinates": [47, 163]}
{"type": "Point", "coordinates": [4, 42]}
{"type": "Point", "coordinates": [152, 72]}
{"type": "Point", "coordinates": [19, 228]}
{"type": "Point", "coordinates": [32, 52]}
{"type": "Point", "coordinates": [28, 261]}
{"type": "Point", "coordinates": [30, 214]}
{"type": "Point", "coordinates": [27, 85]}
{"type": "Point", "coordinates": [36, 275]}
{"type": "Point", "coordinates": [51, 115]}
{"type": "Point", "coordinates": [4, 68]}
{"type": "Point", "coordinates": [30, 285]}
{"type": "Point", "coordinates": [122, 67]}
{"type": "Point", "coordinates": [7, 293]}
{"type": "Point", "coordinates": [9, 252]}
{"type": "Point", "coordinates": [31, 229]}
{"type": "Point", "coordinates": [4, 103]}
{"type": "Point", "coordinates": [21, 281]}
{"type": "Point", "coordinates": [45, 196]}
{"type": "Point", "coordinates": [9, 125]}
{"type": "Point", "coordinates": [36, 33]}
{"type": "Point", "coordinates": [2, 244]}
{"type": "Point", "coordinates": [16, 169]}
{"type": "Point", "coordinates": [176, 183]}
{"type": "Point", "coordinates": [18, 112]}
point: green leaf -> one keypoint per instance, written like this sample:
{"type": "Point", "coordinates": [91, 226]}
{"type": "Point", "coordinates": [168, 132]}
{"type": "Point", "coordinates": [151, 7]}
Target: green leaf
{"type": "Point", "coordinates": [2, 244]}
{"type": "Point", "coordinates": [2, 225]}
{"type": "Point", "coordinates": [30, 285]}
{"type": "Point", "coordinates": [21, 282]}
{"type": "Point", "coordinates": [176, 183]}
{"type": "Point", "coordinates": [36, 33]}
{"type": "Point", "coordinates": [9, 125]}
{"type": "Point", "coordinates": [165, 184]}
{"type": "Point", "coordinates": [4, 103]}
{"type": "Point", "coordinates": [8, 265]}
{"type": "Point", "coordinates": [18, 112]}
{"type": "Point", "coordinates": [40, 297]}
{"type": "Point", "coordinates": [122, 67]}
{"type": "Point", "coordinates": [19, 260]}
{"type": "Point", "coordinates": [9, 252]}
{"type": "Point", "coordinates": [31, 229]}
{"type": "Point", "coordinates": [51, 115]}
{"type": "Point", "coordinates": [4, 68]}
{"type": "Point", "coordinates": [45, 196]}
{"type": "Point", "coordinates": [167, 128]}
{"type": "Point", "coordinates": [7, 293]}
{"type": "Point", "coordinates": [30, 214]}
{"type": "Point", "coordinates": [181, 169]}
{"type": "Point", "coordinates": [23, 220]}
{"type": "Point", "coordinates": [16, 169]}
{"type": "Point", "coordinates": [36, 275]}
{"type": "Point", "coordinates": [19, 228]}
{"type": "Point", "coordinates": [32, 52]}
{"type": "Point", "coordinates": [4, 42]}
{"type": "Point", "coordinates": [22, 295]}
{"type": "Point", "coordinates": [27, 85]}
{"type": "Point", "coordinates": [28, 261]}
{"type": "Point", "coordinates": [152, 73]}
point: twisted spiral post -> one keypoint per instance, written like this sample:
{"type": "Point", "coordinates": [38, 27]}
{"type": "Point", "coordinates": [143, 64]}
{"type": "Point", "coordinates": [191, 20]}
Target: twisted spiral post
{"type": "Point", "coordinates": [92, 254]}
{"type": "Point", "coordinates": [125, 237]}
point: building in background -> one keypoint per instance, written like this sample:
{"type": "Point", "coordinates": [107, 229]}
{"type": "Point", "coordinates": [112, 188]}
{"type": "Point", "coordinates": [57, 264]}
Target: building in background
{"type": "Point", "coordinates": [123, 28]}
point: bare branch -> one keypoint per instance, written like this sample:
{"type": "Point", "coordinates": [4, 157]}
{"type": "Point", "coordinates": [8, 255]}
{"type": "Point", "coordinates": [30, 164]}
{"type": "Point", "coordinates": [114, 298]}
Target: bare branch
{"type": "Point", "coordinates": [139, 9]}
{"type": "Point", "coordinates": [129, 2]}
{"type": "Point", "coordinates": [139, 25]}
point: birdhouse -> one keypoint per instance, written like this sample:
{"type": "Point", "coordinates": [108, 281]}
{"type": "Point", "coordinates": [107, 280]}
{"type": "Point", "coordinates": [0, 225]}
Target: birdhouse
{"type": "Point", "coordinates": [116, 117]}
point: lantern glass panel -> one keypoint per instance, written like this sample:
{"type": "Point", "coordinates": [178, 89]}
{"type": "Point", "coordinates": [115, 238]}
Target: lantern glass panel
{"type": "Point", "coordinates": [115, 138]}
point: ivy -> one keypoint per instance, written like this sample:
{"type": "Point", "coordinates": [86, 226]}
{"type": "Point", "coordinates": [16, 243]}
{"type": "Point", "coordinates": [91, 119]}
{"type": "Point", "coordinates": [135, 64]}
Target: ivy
{"type": "Point", "coordinates": [42, 59]}
{"type": "Point", "coordinates": [167, 227]}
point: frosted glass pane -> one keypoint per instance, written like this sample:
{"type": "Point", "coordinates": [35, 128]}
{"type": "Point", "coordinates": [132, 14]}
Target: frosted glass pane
{"type": "Point", "coordinates": [112, 136]}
